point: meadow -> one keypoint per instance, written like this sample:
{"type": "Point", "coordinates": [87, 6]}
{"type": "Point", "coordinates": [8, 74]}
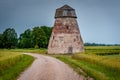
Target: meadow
{"type": "Point", "coordinates": [12, 64]}
{"type": "Point", "coordinates": [99, 62]}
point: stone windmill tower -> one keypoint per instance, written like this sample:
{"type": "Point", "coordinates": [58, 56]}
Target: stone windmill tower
{"type": "Point", "coordinates": [65, 37]}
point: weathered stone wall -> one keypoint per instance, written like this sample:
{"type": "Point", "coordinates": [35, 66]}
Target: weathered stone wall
{"type": "Point", "coordinates": [65, 37]}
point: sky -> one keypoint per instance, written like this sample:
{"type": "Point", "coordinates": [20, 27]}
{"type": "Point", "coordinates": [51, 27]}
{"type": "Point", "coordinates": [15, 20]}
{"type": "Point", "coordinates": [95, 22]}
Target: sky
{"type": "Point", "coordinates": [98, 20]}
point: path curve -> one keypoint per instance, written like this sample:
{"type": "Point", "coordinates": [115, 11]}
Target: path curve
{"type": "Point", "coordinates": [48, 68]}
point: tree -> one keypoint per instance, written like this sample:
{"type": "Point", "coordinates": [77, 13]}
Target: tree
{"type": "Point", "coordinates": [47, 30]}
{"type": "Point", "coordinates": [94, 44]}
{"type": "Point", "coordinates": [1, 41]}
{"type": "Point", "coordinates": [25, 40]}
{"type": "Point", "coordinates": [9, 38]}
{"type": "Point", "coordinates": [38, 37]}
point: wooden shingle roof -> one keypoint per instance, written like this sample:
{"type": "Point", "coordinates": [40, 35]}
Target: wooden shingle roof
{"type": "Point", "coordinates": [65, 11]}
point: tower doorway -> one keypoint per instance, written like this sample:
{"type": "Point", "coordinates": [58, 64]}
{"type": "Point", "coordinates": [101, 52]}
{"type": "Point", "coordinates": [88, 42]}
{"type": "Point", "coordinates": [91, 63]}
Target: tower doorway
{"type": "Point", "coordinates": [70, 50]}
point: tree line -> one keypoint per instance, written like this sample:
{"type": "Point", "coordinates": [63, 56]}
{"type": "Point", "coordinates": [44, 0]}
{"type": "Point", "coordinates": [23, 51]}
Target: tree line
{"type": "Point", "coordinates": [37, 37]}
{"type": "Point", "coordinates": [96, 44]}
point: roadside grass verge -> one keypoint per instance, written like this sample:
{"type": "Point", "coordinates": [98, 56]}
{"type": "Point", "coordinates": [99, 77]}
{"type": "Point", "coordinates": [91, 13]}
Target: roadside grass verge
{"type": "Point", "coordinates": [83, 68]}
{"type": "Point", "coordinates": [101, 63]}
{"type": "Point", "coordinates": [12, 64]}
{"type": "Point", "coordinates": [109, 66]}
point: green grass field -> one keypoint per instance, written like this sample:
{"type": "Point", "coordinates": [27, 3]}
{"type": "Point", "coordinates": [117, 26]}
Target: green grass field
{"type": "Point", "coordinates": [99, 62]}
{"type": "Point", "coordinates": [12, 64]}
{"type": "Point", "coordinates": [29, 50]}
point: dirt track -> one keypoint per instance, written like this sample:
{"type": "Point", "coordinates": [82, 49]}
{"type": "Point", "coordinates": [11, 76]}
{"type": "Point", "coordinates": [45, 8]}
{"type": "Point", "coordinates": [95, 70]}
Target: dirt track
{"type": "Point", "coordinates": [48, 68]}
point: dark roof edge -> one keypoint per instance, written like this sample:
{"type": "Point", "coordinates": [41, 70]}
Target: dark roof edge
{"type": "Point", "coordinates": [66, 7]}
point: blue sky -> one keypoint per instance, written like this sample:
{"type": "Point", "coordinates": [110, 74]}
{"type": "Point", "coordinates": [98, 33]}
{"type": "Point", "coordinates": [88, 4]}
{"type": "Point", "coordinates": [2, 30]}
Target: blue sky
{"type": "Point", "coordinates": [98, 20]}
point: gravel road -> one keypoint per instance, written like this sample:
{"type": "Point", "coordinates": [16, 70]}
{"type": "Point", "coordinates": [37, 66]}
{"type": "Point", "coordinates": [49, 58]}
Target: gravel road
{"type": "Point", "coordinates": [48, 68]}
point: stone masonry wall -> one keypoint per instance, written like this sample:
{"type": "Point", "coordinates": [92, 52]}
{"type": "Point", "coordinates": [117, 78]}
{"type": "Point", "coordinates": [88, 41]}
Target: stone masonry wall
{"type": "Point", "coordinates": [65, 37]}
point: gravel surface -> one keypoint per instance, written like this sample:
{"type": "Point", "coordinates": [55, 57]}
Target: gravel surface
{"type": "Point", "coordinates": [48, 68]}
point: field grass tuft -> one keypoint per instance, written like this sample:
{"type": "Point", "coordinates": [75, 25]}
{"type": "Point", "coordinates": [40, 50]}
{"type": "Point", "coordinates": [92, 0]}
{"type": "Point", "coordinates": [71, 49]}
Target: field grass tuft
{"type": "Point", "coordinates": [12, 64]}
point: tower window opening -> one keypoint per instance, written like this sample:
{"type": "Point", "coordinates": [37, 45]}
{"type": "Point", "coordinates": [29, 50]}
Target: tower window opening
{"type": "Point", "coordinates": [67, 27]}
{"type": "Point", "coordinates": [64, 13]}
